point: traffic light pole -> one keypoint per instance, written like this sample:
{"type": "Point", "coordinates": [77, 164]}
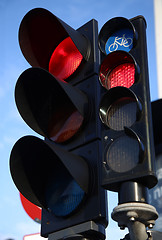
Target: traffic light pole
{"type": "Point", "coordinates": [133, 211]}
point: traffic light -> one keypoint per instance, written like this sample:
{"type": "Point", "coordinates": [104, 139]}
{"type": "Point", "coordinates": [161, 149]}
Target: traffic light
{"type": "Point", "coordinates": [125, 108]}
{"type": "Point", "coordinates": [58, 98]}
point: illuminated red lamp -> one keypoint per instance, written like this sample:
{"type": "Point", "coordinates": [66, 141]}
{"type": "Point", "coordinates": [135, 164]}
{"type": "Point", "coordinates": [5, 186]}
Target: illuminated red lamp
{"type": "Point", "coordinates": [65, 59]}
{"type": "Point", "coordinates": [122, 75]}
{"type": "Point", "coordinates": [118, 69]}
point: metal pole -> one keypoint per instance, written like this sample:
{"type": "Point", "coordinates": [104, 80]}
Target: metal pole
{"type": "Point", "coordinates": [133, 211]}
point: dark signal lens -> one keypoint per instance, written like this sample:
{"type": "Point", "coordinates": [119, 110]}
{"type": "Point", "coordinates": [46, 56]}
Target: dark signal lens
{"type": "Point", "coordinates": [123, 154]}
{"type": "Point", "coordinates": [122, 75]}
{"type": "Point", "coordinates": [65, 59]}
{"type": "Point", "coordinates": [122, 113]}
{"type": "Point", "coordinates": [120, 108]}
{"type": "Point", "coordinates": [63, 194]}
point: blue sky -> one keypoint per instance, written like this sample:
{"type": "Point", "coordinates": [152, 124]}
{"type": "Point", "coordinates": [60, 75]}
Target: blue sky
{"type": "Point", "coordinates": [14, 222]}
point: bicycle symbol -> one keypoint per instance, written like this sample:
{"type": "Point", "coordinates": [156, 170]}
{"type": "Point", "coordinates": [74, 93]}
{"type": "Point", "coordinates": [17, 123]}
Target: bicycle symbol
{"type": "Point", "coordinates": [120, 41]}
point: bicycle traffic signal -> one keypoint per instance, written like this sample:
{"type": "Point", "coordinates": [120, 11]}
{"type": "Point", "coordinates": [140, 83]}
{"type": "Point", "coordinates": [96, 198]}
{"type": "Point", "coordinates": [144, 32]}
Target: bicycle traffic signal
{"type": "Point", "coordinates": [55, 97]}
{"type": "Point", "coordinates": [127, 141]}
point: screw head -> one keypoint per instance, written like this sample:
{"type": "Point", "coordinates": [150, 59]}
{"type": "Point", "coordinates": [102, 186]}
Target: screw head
{"type": "Point", "coordinates": [150, 226]}
{"type": "Point", "coordinates": [122, 227]}
{"type": "Point", "coordinates": [132, 219]}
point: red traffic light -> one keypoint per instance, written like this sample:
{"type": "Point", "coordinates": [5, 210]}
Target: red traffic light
{"type": "Point", "coordinates": [118, 69]}
{"type": "Point", "coordinates": [49, 43]}
{"type": "Point", "coordinates": [58, 99]}
{"type": "Point", "coordinates": [65, 59]}
{"type": "Point", "coordinates": [42, 34]}
{"type": "Point", "coordinates": [125, 105]}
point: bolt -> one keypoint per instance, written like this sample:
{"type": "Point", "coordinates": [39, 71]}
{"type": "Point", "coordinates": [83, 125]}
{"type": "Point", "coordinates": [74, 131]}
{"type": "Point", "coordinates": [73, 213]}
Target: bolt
{"type": "Point", "coordinates": [49, 210]}
{"type": "Point", "coordinates": [142, 199]}
{"type": "Point", "coordinates": [37, 220]}
{"type": "Point", "coordinates": [122, 227]}
{"type": "Point", "coordinates": [150, 226]}
{"type": "Point", "coordinates": [106, 137]}
{"type": "Point", "coordinates": [132, 219]}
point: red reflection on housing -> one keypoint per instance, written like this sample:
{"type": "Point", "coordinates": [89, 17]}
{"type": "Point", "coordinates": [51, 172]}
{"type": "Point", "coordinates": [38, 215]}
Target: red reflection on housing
{"type": "Point", "coordinates": [65, 125]}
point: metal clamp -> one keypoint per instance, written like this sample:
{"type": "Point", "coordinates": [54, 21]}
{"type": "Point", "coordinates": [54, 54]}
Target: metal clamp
{"type": "Point", "coordinates": [136, 216]}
